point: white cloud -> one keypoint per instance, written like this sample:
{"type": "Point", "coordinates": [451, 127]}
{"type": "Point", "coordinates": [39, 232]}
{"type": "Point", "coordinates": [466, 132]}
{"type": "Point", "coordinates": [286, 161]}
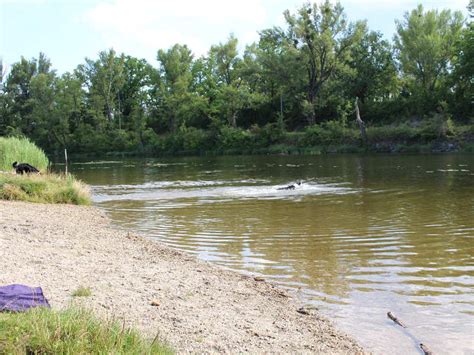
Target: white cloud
{"type": "Point", "coordinates": [406, 5]}
{"type": "Point", "coordinates": [141, 27]}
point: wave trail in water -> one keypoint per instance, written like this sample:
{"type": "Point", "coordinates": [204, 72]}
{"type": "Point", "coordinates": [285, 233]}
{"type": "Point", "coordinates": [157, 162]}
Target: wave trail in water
{"type": "Point", "coordinates": [217, 190]}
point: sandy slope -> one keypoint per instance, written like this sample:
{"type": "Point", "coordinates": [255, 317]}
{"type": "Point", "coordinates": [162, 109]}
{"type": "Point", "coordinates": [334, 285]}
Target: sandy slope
{"type": "Point", "coordinates": [202, 308]}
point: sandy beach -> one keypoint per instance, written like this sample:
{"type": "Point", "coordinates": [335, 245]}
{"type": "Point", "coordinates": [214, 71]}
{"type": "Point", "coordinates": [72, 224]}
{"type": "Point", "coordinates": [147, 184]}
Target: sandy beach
{"type": "Point", "coordinates": [193, 305]}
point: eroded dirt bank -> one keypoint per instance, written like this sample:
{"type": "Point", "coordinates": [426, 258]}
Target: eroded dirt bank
{"type": "Point", "coordinates": [198, 307]}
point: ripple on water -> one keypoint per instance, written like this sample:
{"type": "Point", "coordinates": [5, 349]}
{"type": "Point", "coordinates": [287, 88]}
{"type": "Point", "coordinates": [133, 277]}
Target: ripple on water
{"type": "Point", "coordinates": [348, 244]}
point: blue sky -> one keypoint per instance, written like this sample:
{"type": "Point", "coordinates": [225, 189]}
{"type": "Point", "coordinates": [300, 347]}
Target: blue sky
{"type": "Point", "coordinates": [69, 31]}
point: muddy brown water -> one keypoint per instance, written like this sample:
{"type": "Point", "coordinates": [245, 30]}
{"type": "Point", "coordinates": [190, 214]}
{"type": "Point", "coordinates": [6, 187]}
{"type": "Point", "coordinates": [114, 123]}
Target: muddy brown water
{"type": "Point", "coordinates": [361, 235]}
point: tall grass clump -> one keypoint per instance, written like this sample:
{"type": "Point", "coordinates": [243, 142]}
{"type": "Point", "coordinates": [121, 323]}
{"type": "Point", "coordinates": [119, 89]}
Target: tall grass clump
{"type": "Point", "coordinates": [23, 151]}
{"type": "Point", "coordinates": [48, 188]}
{"type": "Point", "coordinates": [73, 331]}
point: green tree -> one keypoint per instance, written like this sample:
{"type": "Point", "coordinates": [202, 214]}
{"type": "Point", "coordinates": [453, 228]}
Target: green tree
{"type": "Point", "coordinates": [426, 48]}
{"type": "Point", "coordinates": [70, 105]}
{"type": "Point", "coordinates": [230, 95]}
{"type": "Point", "coordinates": [42, 102]}
{"type": "Point", "coordinates": [104, 79]}
{"type": "Point", "coordinates": [134, 97]}
{"type": "Point", "coordinates": [18, 90]}
{"type": "Point", "coordinates": [462, 78]}
{"type": "Point", "coordinates": [273, 71]}
{"type": "Point", "coordinates": [5, 105]}
{"type": "Point", "coordinates": [323, 38]}
{"type": "Point", "coordinates": [26, 77]}
{"type": "Point", "coordinates": [374, 75]}
{"type": "Point", "coordinates": [177, 103]}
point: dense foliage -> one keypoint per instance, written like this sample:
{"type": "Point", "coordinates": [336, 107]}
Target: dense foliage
{"type": "Point", "coordinates": [296, 86]}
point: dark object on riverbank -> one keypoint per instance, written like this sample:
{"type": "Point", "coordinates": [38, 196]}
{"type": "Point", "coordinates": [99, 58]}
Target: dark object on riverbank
{"type": "Point", "coordinates": [24, 168]}
{"type": "Point", "coordinates": [18, 298]}
{"type": "Point", "coordinates": [289, 187]}
{"type": "Point", "coordinates": [302, 310]}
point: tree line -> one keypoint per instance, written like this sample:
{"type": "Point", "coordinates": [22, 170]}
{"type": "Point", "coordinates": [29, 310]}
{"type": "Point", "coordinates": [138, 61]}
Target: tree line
{"type": "Point", "coordinates": [300, 77]}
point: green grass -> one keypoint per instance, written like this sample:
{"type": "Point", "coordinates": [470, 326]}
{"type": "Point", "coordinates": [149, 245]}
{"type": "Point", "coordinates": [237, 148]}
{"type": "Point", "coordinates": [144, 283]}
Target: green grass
{"type": "Point", "coordinates": [23, 151]}
{"type": "Point", "coordinates": [49, 188]}
{"type": "Point", "coordinates": [73, 331]}
{"type": "Point", "coordinates": [82, 292]}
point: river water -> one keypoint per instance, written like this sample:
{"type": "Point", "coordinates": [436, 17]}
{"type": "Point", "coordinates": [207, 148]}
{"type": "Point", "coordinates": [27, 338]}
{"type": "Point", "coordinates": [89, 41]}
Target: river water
{"type": "Point", "coordinates": [361, 235]}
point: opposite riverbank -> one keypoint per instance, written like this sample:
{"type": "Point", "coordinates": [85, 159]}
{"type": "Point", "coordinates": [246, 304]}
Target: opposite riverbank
{"type": "Point", "coordinates": [192, 305]}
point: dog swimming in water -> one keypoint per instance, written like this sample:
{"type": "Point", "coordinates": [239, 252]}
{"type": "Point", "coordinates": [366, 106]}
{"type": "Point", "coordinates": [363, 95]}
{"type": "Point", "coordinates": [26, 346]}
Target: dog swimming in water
{"type": "Point", "coordinates": [290, 187]}
{"type": "Point", "coordinates": [24, 168]}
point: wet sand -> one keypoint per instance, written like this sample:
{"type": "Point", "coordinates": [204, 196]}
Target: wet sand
{"type": "Point", "coordinates": [191, 304]}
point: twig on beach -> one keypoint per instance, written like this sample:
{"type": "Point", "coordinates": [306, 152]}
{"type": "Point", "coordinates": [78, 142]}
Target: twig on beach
{"type": "Point", "coordinates": [301, 310]}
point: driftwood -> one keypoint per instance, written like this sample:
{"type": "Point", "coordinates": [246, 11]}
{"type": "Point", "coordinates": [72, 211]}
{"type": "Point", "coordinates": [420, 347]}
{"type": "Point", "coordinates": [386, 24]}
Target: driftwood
{"type": "Point", "coordinates": [359, 121]}
{"type": "Point", "coordinates": [423, 347]}
{"type": "Point", "coordinates": [396, 320]}
{"type": "Point", "coordinates": [301, 310]}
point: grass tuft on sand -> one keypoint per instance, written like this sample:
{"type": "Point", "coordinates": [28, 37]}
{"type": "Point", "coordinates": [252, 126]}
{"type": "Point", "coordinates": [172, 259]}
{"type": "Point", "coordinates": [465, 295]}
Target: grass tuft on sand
{"type": "Point", "coordinates": [82, 292]}
{"type": "Point", "coordinates": [48, 188]}
{"type": "Point", "coordinates": [72, 331]}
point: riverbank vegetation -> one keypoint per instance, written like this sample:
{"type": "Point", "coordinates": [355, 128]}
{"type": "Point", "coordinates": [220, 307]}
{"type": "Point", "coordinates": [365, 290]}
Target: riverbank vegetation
{"type": "Point", "coordinates": [72, 331]}
{"type": "Point", "coordinates": [292, 91]}
{"type": "Point", "coordinates": [44, 187]}
{"type": "Point", "coordinates": [47, 188]}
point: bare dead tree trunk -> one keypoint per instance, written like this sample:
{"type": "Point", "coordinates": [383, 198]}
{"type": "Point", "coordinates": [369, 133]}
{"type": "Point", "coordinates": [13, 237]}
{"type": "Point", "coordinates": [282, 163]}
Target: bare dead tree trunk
{"type": "Point", "coordinates": [233, 120]}
{"type": "Point", "coordinates": [311, 114]}
{"type": "Point", "coordinates": [359, 121]}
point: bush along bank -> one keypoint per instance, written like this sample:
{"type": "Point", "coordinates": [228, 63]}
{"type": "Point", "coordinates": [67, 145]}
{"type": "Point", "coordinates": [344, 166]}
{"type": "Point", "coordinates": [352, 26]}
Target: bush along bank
{"type": "Point", "coordinates": [429, 136]}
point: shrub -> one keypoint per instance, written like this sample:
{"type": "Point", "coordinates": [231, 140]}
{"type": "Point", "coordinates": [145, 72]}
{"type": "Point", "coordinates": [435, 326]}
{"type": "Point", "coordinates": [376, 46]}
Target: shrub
{"type": "Point", "coordinates": [21, 150]}
{"type": "Point", "coordinates": [294, 139]}
{"type": "Point", "coordinates": [269, 134]}
{"type": "Point", "coordinates": [88, 140]}
{"type": "Point", "coordinates": [329, 132]}
{"type": "Point", "coordinates": [391, 133]}
{"type": "Point", "coordinates": [195, 139]}
{"type": "Point", "coordinates": [122, 141]}
{"type": "Point", "coordinates": [230, 137]}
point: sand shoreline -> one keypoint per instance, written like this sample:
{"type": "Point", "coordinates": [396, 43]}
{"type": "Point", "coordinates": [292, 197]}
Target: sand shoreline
{"type": "Point", "coordinates": [199, 307]}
